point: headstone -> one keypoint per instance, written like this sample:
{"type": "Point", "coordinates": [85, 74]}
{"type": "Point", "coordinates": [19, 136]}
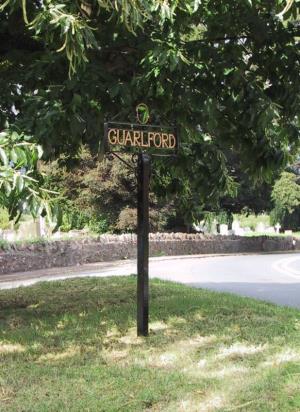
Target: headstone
{"type": "Point", "coordinates": [235, 226]}
{"type": "Point", "coordinates": [240, 232]}
{"type": "Point", "coordinates": [9, 235]}
{"type": "Point", "coordinates": [277, 227]}
{"type": "Point", "coordinates": [57, 235]}
{"type": "Point", "coordinates": [260, 228]}
{"type": "Point", "coordinates": [27, 230]}
{"type": "Point", "coordinates": [224, 230]}
{"type": "Point", "coordinates": [237, 230]}
{"type": "Point", "coordinates": [270, 230]}
{"type": "Point", "coordinates": [214, 230]}
{"type": "Point", "coordinates": [41, 227]}
{"type": "Point", "coordinates": [74, 233]}
{"type": "Point", "coordinates": [288, 232]}
{"type": "Point", "coordinates": [197, 227]}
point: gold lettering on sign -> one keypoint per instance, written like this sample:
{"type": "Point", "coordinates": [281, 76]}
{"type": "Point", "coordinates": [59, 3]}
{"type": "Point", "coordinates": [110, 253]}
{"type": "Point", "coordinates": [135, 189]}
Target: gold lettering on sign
{"type": "Point", "coordinates": [172, 141]}
{"type": "Point", "coordinates": [128, 138]}
{"type": "Point", "coordinates": [121, 142]}
{"type": "Point", "coordinates": [157, 140]}
{"type": "Point", "coordinates": [145, 140]}
{"type": "Point", "coordinates": [165, 139]}
{"type": "Point", "coordinates": [112, 136]}
{"type": "Point", "coordinates": [150, 138]}
{"type": "Point", "coordinates": [136, 138]}
{"type": "Point", "coordinates": [141, 138]}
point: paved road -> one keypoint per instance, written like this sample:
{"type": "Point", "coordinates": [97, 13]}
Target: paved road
{"type": "Point", "coordinates": [272, 277]}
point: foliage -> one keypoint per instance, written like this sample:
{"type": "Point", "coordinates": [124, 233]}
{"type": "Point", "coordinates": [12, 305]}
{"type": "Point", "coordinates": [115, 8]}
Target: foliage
{"type": "Point", "coordinates": [286, 192]}
{"type": "Point", "coordinates": [92, 193]}
{"type": "Point", "coordinates": [4, 219]}
{"type": "Point", "coordinates": [286, 198]}
{"type": "Point", "coordinates": [127, 220]}
{"type": "Point", "coordinates": [212, 220]}
{"type": "Point", "coordinates": [100, 195]}
{"type": "Point", "coordinates": [72, 218]}
{"type": "Point", "coordinates": [251, 220]}
{"type": "Point", "coordinates": [250, 196]}
{"type": "Point", "coordinates": [21, 184]}
{"type": "Point", "coordinates": [226, 74]}
{"type": "Point", "coordinates": [98, 224]}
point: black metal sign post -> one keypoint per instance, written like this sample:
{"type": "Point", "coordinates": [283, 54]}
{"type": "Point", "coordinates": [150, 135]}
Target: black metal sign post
{"type": "Point", "coordinates": [144, 170]}
{"type": "Point", "coordinates": [140, 137]}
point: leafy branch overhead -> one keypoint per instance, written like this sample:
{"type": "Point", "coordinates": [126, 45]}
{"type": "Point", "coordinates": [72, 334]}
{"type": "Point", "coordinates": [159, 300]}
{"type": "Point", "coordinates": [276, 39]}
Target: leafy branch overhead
{"type": "Point", "coordinates": [76, 23]}
{"type": "Point", "coordinates": [227, 72]}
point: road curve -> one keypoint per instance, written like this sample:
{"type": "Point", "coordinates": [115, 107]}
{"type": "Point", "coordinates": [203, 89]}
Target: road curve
{"type": "Point", "coordinates": [271, 277]}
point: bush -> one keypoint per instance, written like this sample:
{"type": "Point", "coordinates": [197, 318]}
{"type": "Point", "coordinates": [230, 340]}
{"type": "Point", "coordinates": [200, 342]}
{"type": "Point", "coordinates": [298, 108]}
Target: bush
{"type": "Point", "coordinates": [252, 220]}
{"type": "Point", "coordinates": [94, 193]}
{"type": "Point", "coordinates": [127, 221]}
{"type": "Point", "coordinates": [73, 219]}
{"type": "Point", "coordinates": [98, 224]}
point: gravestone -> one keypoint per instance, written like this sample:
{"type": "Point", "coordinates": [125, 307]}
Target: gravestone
{"type": "Point", "coordinates": [235, 225]}
{"type": "Point", "coordinates": [9, 235]}
{"type": "Point", "coordinates": [224, 230]}
{"type": "Point", "coordinates": [277, 227]}
{"type": "Point", "coordinates": [260, 228]}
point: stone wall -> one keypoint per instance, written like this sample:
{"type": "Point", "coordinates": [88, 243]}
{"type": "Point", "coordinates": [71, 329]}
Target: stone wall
{"type": "Point", "coordinates": [42, 255]}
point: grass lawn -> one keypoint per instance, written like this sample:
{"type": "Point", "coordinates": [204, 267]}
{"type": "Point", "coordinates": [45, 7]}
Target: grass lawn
{"type": "Point", "coordinates": [72, 346]}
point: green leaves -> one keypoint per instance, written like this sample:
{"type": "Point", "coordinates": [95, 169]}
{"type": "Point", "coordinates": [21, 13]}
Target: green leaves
{"type": "Point", "coordinates": [77, 36]}
{"type": "Point", "coordinates": [286, 192]}
{"type": "Point", "coordinates": [227, 74]}
{"type": "Point", "coordinates": [3, 157]}
{"type": "Point", "coordinates": [21, 184]}
{"type": "Point", "coordinates": [286, 199]}
{"type": "Point", "coordinates": [288, 5]}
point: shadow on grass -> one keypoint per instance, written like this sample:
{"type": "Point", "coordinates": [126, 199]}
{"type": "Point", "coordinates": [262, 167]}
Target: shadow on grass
{"type": "Point", "coordinates": [72, 346]}
{"type": "Point", "coordinates": [95, 311]}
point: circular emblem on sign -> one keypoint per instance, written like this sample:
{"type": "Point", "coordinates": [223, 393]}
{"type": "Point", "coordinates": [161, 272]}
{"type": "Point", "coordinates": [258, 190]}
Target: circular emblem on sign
{"type": "Point", "coordinates": [142, 113]}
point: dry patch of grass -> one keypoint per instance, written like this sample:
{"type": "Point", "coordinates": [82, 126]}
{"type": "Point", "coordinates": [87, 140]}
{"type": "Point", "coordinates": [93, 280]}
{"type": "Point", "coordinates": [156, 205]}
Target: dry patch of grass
{"type": "Point", "coordinates": [11, 348]}
{"type": "Point", "coordinates": [72, 346]}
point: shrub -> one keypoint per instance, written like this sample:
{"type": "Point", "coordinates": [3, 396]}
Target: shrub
{"type": "Point", "coordinates": [73, 218]}
{"type": "Point", "coordinates": [252, 220]}
{"type": "Point", "coordinates": [94, 193]}
{"type": "Point", "coordinates": [127, 221]}
{"type": "Point", "coordinates": [98, 224]}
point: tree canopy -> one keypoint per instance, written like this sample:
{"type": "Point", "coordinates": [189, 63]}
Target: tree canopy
{"type": "Point", "coordinates": [226, 72]}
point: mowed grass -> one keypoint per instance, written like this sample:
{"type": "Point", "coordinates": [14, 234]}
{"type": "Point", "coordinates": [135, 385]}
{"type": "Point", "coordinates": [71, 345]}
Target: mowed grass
{"type": "Point", "coordinates": [72, 346]}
